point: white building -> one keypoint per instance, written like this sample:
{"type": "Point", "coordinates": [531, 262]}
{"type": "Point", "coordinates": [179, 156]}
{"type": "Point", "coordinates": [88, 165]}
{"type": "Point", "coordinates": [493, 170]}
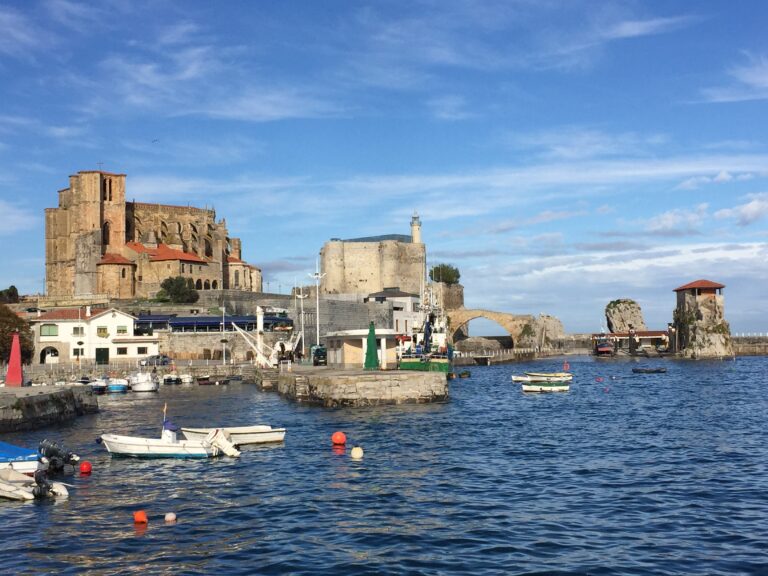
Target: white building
{"type": "Point", "coordinates": [103, 336]}
{"type": "Point", "coordinates": [406, 317]}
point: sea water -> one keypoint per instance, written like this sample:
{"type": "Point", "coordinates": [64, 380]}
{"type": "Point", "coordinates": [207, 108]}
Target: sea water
{"type": "Point", "coordinates": [624, 474]}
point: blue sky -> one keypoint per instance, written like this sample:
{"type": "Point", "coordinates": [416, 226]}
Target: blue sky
{"type": "Point", "coordinates": [561, 154]}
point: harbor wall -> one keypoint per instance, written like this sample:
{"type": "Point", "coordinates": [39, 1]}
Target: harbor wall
{"type": "Point", "coordinates": [359, 388]}
{"type": "Point", "coordinates": [31, 408]}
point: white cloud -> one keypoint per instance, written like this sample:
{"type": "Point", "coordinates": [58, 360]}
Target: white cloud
{"type": "Point", "coordinates": [751, 83]}
{"type": "Point", "coordinates": [696, 182]}
{"type": "Point", "coordinates": [637, 28]}
{"type": "Point", "coordinates": [747, 213]}
{"type": "Point", "coordinates": [678, 222]}
{"type": "Point", "coordinates": [449, 108]}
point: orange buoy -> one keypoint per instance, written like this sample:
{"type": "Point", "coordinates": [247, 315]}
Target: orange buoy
{"type": "Point", "coordinates": [85, 467]}
{"type": "Point", "coordinates": [140, 517]}
{"type": "Point", "coordinates": [339, 438]}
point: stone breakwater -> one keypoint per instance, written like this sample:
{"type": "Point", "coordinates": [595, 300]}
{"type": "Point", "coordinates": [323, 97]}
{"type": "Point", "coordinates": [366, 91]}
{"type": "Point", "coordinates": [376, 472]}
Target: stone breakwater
{"type": "Point", "coordinates": [34, 407]}
{"type": "Point", "coordinates": [334, 388]}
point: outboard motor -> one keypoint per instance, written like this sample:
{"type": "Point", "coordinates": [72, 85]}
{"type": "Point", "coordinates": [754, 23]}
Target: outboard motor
{"type": "Point", "coordinates": [57, 456]}
{"type": "Point", "coordinates": [42, 488]}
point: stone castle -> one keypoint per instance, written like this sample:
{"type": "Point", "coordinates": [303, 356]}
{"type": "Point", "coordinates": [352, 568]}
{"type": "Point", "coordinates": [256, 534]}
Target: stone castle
{"type": "Point", "coordinates": [369, 265]}
{"type": "Point", "coordinates": [97, 244]}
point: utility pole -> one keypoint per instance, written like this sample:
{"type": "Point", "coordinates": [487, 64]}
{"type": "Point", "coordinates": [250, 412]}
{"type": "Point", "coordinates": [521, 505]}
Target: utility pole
{"type": "Point", "coordinates": [317, 276]}
{"type": "Point", "coordinates": [223, 340]}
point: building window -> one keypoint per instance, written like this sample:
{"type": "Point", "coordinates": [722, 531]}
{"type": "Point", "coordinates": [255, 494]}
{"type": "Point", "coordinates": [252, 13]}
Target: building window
{"type": "Point", "coordinates": [77, 352]}
{"type": "Point", "coordinates": [182, 267]}
{"type": "Point", "coordinates": [78, 331]}
{"type": "Point", "coordinates": [123, 272]}
{"type": "Point", "coordinates": [122, 351]}
{"type": "Point", "coordinates": [237, 278]}
{"type": "Point", "coordinates": [141, 350]}
{"type": "Point", "coordinates": [101, 332]}
{"type": "Point", "coordinates": [49, 330]}
{"type": "Point", "coordinates": [141, 277]}
{"type": "Point", "coordinates": [122, 329]}
{"type": "Point", "coordinates": [105, 234]}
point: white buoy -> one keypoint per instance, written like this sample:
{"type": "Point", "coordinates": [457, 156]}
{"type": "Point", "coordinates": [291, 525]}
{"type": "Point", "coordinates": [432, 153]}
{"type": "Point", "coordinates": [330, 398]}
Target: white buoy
{"type": "Point", "coordinates": [170, 518]}
{"type": "Point", "coordinates": [356, 453]}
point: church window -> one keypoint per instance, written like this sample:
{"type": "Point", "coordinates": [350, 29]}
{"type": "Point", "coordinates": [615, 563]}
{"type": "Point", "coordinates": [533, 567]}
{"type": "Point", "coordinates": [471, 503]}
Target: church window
{"type": "Point", "coordinates": [122, 272]}
{"type": "Point", "coordinates": [237, 278]}
{"type": "Point", "coordinates": [207, 285]}
{"type": "Point", "coordinates": [109, 189]}
{"type": "Point", "coordinates": [198, 285]}
{"type": "Point", "coordinates": [208, 248]}
{"type": "Point", "coordinates": [214, 285]}
{"type": "Point", "coordinates": [105, 234]}
{"type": "Point", "coordinates": [182, 267]}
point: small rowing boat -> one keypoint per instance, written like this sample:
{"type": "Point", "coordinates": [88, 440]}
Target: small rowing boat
{"type": "Point", "coordinates": [546, 387]}
{"type": "Point", "coordinates": [543, 377]}
{"type": "Point", "coordinates": [241, 435]}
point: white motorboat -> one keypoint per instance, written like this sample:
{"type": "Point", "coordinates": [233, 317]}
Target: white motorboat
{"type": "Point", "coordinates": [535, 377]}
{"type": "Point", "coordinates": [171, 378]}
{"type": "Point", "coordinates": [144, 382]}
{"type": "Point", "coordinates": [241, 435]}
{"type": "Point", "coordinates": [187, 379]}
{"type": "Point", "coordinates": [168, 445]}
{"type": "Point", "coordinates": [17, 486]}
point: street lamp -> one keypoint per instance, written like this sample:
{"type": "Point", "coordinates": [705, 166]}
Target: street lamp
{"type": "Point", "coordinates": [302, 297]}
{"type": "Point", "coordinates": [317, 276]}
{"type": "Point", "coordinates": [223, 340]}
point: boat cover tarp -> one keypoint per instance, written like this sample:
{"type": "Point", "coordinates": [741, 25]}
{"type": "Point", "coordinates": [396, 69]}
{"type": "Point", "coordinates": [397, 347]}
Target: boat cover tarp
{"type": "Point", "coordinates": [11, 453]}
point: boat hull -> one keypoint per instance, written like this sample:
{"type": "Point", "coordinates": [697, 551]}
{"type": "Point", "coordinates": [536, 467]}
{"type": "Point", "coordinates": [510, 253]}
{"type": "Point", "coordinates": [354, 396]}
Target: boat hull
{"type": "Point", "coordinates": [137, 447]}
{"type": "Point", "coordinates": [242, 435]}
{"type": "Point", "coordinates": [20, 459]}
{"type": "Point", "coordinates": [546, 387]}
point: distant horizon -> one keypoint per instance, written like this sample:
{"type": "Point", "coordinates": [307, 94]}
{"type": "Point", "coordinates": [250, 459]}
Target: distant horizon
{"type": "Point", "coordinates": [560, 154]}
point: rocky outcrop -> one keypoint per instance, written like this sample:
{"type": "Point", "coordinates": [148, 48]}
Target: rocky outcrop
{"type": "Point", "coordinates": [543, 331]}
{"type": "Point", "coordinates": [623, 315]}
{"type": "Point", "coordinates": [702, 331]}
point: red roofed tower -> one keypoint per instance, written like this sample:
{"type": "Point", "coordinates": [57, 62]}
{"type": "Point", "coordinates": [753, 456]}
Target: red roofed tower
{"type": "Point", "coordinates": [699, 321]}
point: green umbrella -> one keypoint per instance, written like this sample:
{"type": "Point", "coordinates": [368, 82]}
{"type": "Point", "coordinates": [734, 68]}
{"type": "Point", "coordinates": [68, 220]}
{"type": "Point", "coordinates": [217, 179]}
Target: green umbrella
{"type": "Point", "coordinates": [371, 358]}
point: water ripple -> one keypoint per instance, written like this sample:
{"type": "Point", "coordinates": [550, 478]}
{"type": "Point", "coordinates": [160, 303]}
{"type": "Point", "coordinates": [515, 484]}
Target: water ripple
{"type": "Point", "coordinates": [625, 474]}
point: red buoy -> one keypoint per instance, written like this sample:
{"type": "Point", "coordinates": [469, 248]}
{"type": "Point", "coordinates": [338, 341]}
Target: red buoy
{"type": "Point", "coordinates": [85, 467]}
{"type": "Point", "coordinates": [339, 438]}
{"type": "Point", "coordinates": [140, 517]}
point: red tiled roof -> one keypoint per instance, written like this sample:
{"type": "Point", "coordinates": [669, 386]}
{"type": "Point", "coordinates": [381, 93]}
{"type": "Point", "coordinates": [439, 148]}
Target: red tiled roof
{"type": "Point", "coordinates": [111, 258]}
{"type": "Point", "coordinates": [164, 252]}
{"type": "Point", "coordinates": [235, 260]}
{"type": "Point", "coordinates": [63, 314]}
{"type": "Point", "coordinates": [699, 284]}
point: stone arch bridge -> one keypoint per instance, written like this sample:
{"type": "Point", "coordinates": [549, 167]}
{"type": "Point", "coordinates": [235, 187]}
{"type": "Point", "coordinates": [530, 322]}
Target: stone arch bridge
{"type": "Point", "coordinates": [512, 323]}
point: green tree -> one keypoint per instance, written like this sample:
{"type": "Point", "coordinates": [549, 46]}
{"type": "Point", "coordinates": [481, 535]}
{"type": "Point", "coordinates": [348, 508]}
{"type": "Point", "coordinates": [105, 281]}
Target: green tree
{"type": "Point", "coordinates": [444, 273]}
{"type": "Point", "coordinates": [178, 290]}
{"type": "Point", "coordinates": [9, 296]}
{"type": "Point", "coordinates": [10, 323]}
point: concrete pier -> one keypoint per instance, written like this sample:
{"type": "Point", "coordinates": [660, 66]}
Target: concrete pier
{"type": "Point", "coordinates": [33, 407]}
{"type": "Point", "coordinates": [333, 388]}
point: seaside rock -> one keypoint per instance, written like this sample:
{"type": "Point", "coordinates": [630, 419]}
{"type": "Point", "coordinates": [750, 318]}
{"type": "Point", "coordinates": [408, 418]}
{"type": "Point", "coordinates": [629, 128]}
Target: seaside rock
{"type": "Point", "coordinates": [702, 331]}
{"type": "Point", "coordinates": [543, 331]}
{"type": "Point", "coordinates": [623, 314]}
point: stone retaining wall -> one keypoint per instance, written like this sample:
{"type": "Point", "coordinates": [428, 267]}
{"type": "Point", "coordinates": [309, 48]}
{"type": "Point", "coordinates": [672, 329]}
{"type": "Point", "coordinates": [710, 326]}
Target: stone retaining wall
{"type": "Point", "coordinates": [32, 408]}
{"type": "Point", "coordinates": [364, 388]}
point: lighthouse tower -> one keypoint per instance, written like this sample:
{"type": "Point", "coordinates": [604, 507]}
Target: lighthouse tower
{"type": "Point", "coordinates": [415, 228]}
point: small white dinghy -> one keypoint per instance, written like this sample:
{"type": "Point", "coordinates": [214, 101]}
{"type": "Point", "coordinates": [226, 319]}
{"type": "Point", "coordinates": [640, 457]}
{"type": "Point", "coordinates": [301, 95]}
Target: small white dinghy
{"type": "Point", "coordinates": [17, 486]}
{"type": "Point", "coordinates": [241, 435]}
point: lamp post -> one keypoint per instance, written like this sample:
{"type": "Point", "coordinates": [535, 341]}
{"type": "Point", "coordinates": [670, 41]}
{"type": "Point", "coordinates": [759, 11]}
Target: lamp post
{"type": "Point", "coordinates": [317, 276]}
{"type": "Point", "coordinates": [223, 340]}
{"type": "Point", "coordinates": [301, 298]}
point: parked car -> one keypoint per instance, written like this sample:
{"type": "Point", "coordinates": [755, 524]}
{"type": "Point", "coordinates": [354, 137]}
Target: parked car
{"type": "Point", "coordinates": [319, 356]}
{"type": "Point", "coordinates": [156, 360]}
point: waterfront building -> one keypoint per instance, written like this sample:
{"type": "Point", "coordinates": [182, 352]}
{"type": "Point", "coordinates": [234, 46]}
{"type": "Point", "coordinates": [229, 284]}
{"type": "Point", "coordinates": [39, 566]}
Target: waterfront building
{"type": "Point", "coordinates": [347, 348]}
{"type": "Point", "coordinates": [699, 326]}
{"type": "Point", "coordinates": [89, 335]}
{"type": "Point", "coordinates": [99, 245]}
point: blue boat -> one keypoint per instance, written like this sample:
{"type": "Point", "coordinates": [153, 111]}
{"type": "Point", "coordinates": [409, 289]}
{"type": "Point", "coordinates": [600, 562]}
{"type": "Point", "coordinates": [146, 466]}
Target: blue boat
{"type": "Point", "coordinates": [24, 460]}
{"type": "Point", "coordinates": [117, 385]}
